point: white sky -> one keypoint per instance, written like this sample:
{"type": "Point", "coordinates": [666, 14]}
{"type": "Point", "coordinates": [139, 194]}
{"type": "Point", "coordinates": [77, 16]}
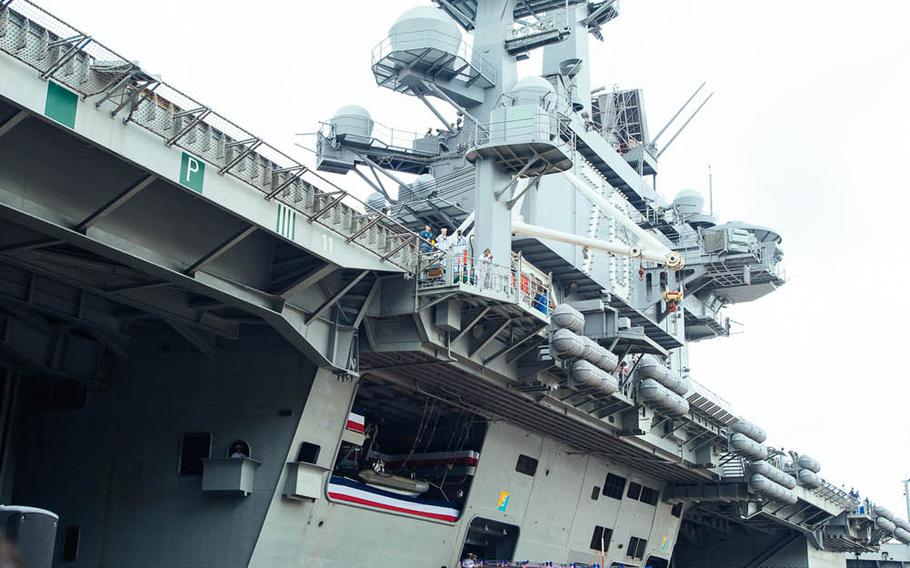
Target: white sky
{"type": "Point", "coordinates": [806, 134]}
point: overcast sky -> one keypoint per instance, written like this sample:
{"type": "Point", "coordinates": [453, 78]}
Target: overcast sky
{"type": "Point", "coordinates": [806, 134]}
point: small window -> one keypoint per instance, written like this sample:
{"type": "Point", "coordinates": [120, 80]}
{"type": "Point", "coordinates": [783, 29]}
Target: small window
{"type": "Point", "coordinates": [196, 446]}
{"type": "Point", "coordinates": [649, 496]}
{"type": "Point", "coordinates": [526, 465]}
{"type": "Point", "coordinates": [614, 486]}
{"type": "Point", "coordinates": [595, 493]}
{"type": "Point", "coordinates": [308, 452]}
{"type": "Point", "coordinates": [601, 538]}
{"type": "Point", "coordinates": [636, 547]}
{"type": "Point", "coordinates": [71, 543]}
{"type": "Point", "coordinates": [634, 491]}
{"type": "Point", "coordinates": [676, 511]}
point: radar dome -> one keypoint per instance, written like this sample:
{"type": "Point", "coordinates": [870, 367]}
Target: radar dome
{"type": "Point", "coordinates": [425, 27]}
{"type": "Point", "coordinates": [689, 202]}
{"type": "Point", "coordinates": [423, 186]}
{"type": "Point", "coordinates": [352, 120]}
{"type": "Point", "coordinates": [377, 201]}
{"type": "Point", "coordinates": [531, 90]}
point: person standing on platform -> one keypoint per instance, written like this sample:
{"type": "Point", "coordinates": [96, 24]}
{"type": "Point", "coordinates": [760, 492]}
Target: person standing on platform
{"type": "Point", "coordinates": [458, 248]}
{"type": "Point", "coordinates": [485, 270]}
{"type": "Point", "coordinates": [426, 240]}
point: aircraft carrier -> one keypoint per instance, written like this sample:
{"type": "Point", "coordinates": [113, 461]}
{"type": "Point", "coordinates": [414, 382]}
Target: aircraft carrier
{"type": "Point", "coordinates": [214, 355]}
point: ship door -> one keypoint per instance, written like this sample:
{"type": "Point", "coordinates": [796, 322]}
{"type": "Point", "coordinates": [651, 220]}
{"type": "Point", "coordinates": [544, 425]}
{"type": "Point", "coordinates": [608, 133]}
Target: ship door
{"type": "Point", "coordinates": [491, 541]}
{"type": "Point", "coordinates": [656, 562]}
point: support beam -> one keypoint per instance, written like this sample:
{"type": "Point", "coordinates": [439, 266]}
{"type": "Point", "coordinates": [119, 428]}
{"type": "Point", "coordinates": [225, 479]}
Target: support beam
{"type": "Point", "coordinates": [435, 112]}
{"type": "Point", "coordinates": [248, 147]}
{"type": "Point", "coordinates": [196, 340]}
{"type": "Point", "coordinates": [28, 245]}
{"type": "Point", "coordinates": [12, 122]}
{"type": "Point", "coordinates": [136, 286]}
{"type": "Point", "coordinates": [75, 43]}
{"type": "Point", "coordinates": [514, 345]}
{"type": "Point", "coordinates": [376, 166]}
{"type": "Point", "coordinates": [331, 301]}
{"type": "Point", "coordinates": [439, 93]}
{"type": "Point", "coordinates": [296, 171]}
{"type": "Point", "coordinates": [533, 184]}
{"type": "Point", "coordinates": [310, 279]}
{"type": "Point", "coordinates": [366, 304]}
{"type": "Point", "coordinates": [768, 553]}
{"type": "Point", "coordinates": [491, 336]}
{"type": "Point", "coordinates": [378, 187]}
{"type": "Point", "coordinates": [520, 173]}
{"type": "Point", "coordinates": [114, 203]}
{"type": "Point", "coordinates": [474, 321]}
{"type": "Point", "coordinates": [215, 253]}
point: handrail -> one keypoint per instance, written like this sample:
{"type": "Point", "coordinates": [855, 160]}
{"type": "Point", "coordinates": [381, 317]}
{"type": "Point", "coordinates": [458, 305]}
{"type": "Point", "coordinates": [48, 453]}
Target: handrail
{"type": "Point", "coordinates": [61, 52]}
{"type": "Point", "coordinates": [445, 42]}
{"type": "Point", "coordinates": [519, 282]}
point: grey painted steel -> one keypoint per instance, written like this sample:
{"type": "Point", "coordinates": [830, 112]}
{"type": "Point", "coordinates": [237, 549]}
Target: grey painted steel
{"type": "Point", "coordinates": [606, 360]}
{"type": "Point", "coordinates": [662, 398]}
{"type": "Point", "coordinates": [767, 488]}
{"type": "Point", "coordinates": [774, 474]}
{"type": "Point", "coordinates": [748, 447]}
{"type": "Point", "coordinates": [590, 376]}
{"type": "Point", "coordinates": [886, 513]}
{"type": "Point", "coordinates": [902, 535]}
{"type": "Point", "coordinates": [566, 316]}
{"type": "Point", "coordinates": [885, 524]}
{"type": "Point", "coordinates": [591, 350]}
{"type": "Point", "coordinates": [809, 478]}
{"type": "Point", "coordinates": [809, 463]}
{"type": "Point", "coordinates": [650, 367]}
{"type": "Point", "coordinates": [566, 344]}
{"type": "Point", "coordinates": [749, 429]}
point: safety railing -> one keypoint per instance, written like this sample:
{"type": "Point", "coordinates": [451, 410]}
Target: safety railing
{"type": "Point", "coordinates": [519, 283]}
{"type": "Point", "coordinates": [382, 135]}
{"type": "Point", "coordinates": [70, 57]}
{"type": "Point", "coordinates": [837, 496]}
{"type": "Point", "coordinates": [541, 23]}
{"type": "Point", "coordinates": [435, 46]}
{"type": "Point", "coordinates": [545, 127]}
{"type": "Point", "coordinates": [442, 270]}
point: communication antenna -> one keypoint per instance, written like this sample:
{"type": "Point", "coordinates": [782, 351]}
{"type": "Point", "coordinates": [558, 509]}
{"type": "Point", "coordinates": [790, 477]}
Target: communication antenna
{"type": "Point", "coordinates": [678, 112]}
{"type": "Point", "coordinates": [710, 192]}
{"type": "Point", "coordinates": [686, 123]}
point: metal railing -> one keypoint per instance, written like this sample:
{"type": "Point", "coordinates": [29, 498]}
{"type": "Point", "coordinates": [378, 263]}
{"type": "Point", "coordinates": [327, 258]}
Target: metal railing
{"type": "Point", "coordinates": [545, 127]}
{"type": "Point", "coordinates": [451, 50]}
{"type": "Point", "coordinates": [518, 283]}
{"type": "Point", "coordinates": [385, 136]}
{"type": "Point", "coordinates": [541, 23]}
{"type": "Point", "coordinates": [74, 59]}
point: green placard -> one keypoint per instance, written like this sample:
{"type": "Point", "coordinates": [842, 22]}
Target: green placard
{"type": "Point", "coordinates": [287, 222]}
{"type": "Point", "coordinates": [192, 172]}
{"type": "Point", "coordinates": [61, 104]}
